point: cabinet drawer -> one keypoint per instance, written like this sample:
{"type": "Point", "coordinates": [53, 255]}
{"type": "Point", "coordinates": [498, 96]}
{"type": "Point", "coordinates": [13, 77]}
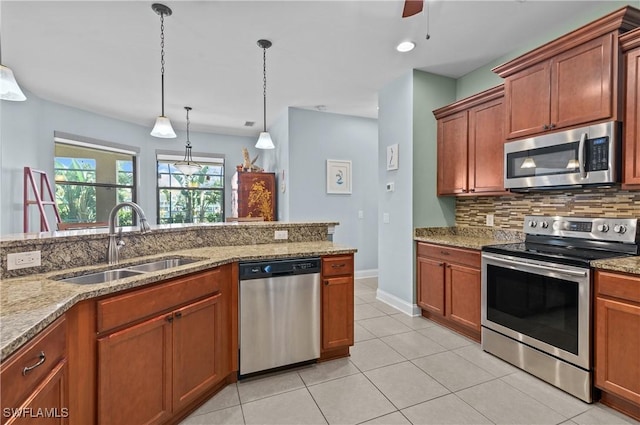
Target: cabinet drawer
{"type": "Point", "coordinates": [122, 309]}
{"type": "Point", "coordinates": [449, 254]}
{"type": "Point", "coordinates": [337, 266]}
{"type": "Point", "coordinates": [17, 380]}
{"type": "Point", "coordinates": [618, 285]}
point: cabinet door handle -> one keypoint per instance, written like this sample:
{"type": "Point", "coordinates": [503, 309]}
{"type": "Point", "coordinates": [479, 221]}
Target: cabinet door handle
{"type": "Point", "coordinates": [42, 358]}
{"type": "Point", "coordinates": [178, 314]}
{"type": "Point", "coordinates": [472, 190]}
{"type": "Point", "coordinates": [440, 264]}
{"type": "Point", "coordinates": [545, 127]}
{"type": "Point", "coordinates": [169, 319]}
{"type": "Point", "coordinates": [445, 253]}
{"type": "Point", "coordinates": [337, 266]}
{"type": "Point", "coordinates": [552, 125]}
{"type": "Point", "coordinates": [326, 283]}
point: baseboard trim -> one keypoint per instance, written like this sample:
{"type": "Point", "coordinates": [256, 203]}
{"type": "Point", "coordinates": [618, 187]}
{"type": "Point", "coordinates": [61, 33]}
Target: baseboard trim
{"type": "Point", "coordinates": [398, 303]}
{"type": "Point", "coordinates": [361, 274]}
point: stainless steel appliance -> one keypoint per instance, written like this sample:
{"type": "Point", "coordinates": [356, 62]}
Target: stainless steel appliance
{"type": "Point", "coordinates": [578, 157]}
{"type": "Point", "coordinates": [279, 313]}
{"type": "Point", "coordinates": [537, 296]}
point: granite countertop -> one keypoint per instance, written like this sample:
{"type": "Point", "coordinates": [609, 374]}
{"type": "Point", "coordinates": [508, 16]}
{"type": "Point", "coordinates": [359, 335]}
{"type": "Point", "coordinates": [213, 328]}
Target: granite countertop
{"type": "Point", "coordinates": [28, 304]}
{"type": "Point", "coordinates": [624, 265]}
{"type": "Point", "coordinates": [466, 236]}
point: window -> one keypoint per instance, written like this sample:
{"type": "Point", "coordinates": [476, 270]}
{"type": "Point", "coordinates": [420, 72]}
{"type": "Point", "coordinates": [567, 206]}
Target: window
{"type": "Point", "coordinates": [91, 179]}
{"type": "Point", "coordinates": [190, 199]}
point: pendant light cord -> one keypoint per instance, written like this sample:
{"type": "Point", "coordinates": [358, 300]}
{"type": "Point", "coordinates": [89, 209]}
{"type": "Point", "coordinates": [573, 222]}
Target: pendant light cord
{"type": "Point", "coordinates": [162, 58]}
{"type": "Point", "coordinates": [264, 81]}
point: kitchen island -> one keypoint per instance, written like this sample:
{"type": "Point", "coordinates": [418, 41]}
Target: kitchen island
{"type": "Point", "coordinates": [150, 324]}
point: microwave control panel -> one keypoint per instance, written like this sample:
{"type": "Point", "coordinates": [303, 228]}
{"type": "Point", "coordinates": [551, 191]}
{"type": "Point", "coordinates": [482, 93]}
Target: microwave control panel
{"type": "Point", "coordinates": [598, 154]}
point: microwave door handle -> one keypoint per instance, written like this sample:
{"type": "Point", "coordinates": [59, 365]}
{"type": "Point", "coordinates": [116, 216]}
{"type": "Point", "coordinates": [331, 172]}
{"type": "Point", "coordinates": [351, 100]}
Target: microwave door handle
{"type": "Point", "coordinates": [581, 161]}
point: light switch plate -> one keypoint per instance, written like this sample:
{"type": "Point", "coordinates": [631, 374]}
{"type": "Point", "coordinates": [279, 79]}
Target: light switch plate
{"type": "Point", "coordinates": [489, 221]}
{"type": "Point", "coordinates": [385, 218]}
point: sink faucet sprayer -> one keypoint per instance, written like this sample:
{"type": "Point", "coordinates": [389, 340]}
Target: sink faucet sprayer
{"type": "Point", "coordinates": [115, 240]}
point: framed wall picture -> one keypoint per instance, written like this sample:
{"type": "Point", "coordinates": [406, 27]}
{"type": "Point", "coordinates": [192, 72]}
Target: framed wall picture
{"type": "Point", "coordinates": [339, 176]}
{"type": "Point", "coordinates": [392, 157]}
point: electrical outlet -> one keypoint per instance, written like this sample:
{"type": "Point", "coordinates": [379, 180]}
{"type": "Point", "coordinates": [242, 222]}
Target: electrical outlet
{"type": "Point", "coordinates": [22, 260]}
{"type": "Point", "coordinates": [385, 218]}
{"type": "Point", "coordinates": [281, 234]}
{"type": "Point", "coordinates": [360, 214]}
{"type": "Point", "coordinates": [490, 220]}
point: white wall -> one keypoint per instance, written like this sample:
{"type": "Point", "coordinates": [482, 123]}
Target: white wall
{"type": "Point", "coordinates": [26, 139]}
{"type": "Point", "coordinates": [315, 137]}
{"type": "Point", "coordinates": [280, 134]}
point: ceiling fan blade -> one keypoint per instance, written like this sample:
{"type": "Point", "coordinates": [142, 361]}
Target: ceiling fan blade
{"type": "Point", "coordinates": [412, 7]}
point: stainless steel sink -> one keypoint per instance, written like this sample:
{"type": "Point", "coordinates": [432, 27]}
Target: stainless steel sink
{"type": "Point", "coordinates": [102, 277]}
{"type": "Point", "coordinates": [162, 264]}
{"type": "Point", "coordinates": [121, 273]}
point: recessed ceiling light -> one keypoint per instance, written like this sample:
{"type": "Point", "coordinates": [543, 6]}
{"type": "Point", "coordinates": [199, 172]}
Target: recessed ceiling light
{"type": "Point", "coordinates": [406, 46]}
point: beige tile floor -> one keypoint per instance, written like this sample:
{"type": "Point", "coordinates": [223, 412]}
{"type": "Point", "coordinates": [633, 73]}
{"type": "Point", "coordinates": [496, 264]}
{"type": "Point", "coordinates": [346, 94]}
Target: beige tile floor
{"type": "Point", "coordinates": [402, 370]}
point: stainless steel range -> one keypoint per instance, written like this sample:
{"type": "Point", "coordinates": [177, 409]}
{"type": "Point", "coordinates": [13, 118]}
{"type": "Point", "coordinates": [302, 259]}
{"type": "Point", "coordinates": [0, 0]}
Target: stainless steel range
{"type": "Point", "coordinates": [537, 296]}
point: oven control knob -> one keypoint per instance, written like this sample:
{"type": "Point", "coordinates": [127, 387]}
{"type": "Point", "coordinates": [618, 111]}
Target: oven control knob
{"type": "Point", "coordinates": [604, 228]}
{"type": "Point", "coordinates": [544, 224]}
{"type": "Point", "coordinates": [533, 223]}
{"type": "Point", "coordinates": [620, 228]}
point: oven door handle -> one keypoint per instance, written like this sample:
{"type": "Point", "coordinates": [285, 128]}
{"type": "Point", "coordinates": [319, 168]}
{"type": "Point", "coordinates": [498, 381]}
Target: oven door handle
{"type": "Point", "coordinates": [536, 266]}
{"type": "Point", "coordinates": [581, 160]}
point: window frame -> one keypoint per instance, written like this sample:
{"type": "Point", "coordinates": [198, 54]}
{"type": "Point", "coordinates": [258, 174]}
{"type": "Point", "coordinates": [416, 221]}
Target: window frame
{"type": "Point", "coordinates": [105, 146]}
{"type": "Point", "coordinates": [201, 158]}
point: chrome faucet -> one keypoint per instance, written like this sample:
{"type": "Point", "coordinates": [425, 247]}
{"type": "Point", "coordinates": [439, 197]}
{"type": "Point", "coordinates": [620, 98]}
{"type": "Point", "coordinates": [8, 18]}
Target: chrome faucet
{"type": "Point", "coordinates": [115, 240]}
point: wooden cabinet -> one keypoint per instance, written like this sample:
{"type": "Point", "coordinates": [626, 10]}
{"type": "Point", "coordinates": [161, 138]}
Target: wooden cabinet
{"type": "Point", "coordinates": [34, 380]}
{"type": "Point", "coordinates": [159, 354]}
{"type": "Point", "coordinates": [254, 195]}
{"type": "Point", "coordinates": [448, 287]}
{"type": "Point", "coordinates": [630, 43]}
{"type": "Point", "coordinates": [567, 82]}
{"type": "Point", "coordinates": [337, 306]}
{"type": "Point", "coordinates": [617, 340]}
{"type": "Point", "coordinates": [470, 145]}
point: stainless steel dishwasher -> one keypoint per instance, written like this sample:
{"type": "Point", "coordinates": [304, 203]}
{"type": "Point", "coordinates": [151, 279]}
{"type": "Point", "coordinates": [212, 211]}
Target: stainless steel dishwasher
{"type": "Point", "coordinates": [279, 313]}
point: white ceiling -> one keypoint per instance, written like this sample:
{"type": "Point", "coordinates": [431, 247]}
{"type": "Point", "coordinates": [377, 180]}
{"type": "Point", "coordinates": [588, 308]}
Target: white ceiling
{"type": "Point", "coordinates": [104, 56]}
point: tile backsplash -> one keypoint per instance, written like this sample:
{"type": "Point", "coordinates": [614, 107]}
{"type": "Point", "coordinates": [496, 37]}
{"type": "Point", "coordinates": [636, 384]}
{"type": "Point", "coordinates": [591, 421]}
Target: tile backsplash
{"type": "Point", "coordinates": [509, 211]}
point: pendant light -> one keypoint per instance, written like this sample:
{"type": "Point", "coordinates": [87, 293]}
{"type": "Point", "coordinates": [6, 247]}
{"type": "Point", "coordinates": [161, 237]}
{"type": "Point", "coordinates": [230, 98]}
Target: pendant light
{"type": "Point", "coordinates": [188, 166]}
{"type": "Point", "coordinates": [9, 88]}
{"type": "Point", "coordinates": [162, 128]}
{"type": "Point", "coordinates": [264, 141]}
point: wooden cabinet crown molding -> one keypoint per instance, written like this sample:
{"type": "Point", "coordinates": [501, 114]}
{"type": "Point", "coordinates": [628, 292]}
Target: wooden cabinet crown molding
{"type": "Point", "coordinates": [622, 20]}
{"type": "Point", "coordinates": [469, 102]}
{"type": "Point", "coordinates": [630, 40]}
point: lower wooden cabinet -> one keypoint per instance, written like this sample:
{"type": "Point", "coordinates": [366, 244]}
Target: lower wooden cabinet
{"type": "Point", "coordinates": [337, 306]}
{"type": "Point", "coordinates": [34, 380]}
{"type": "Point", "coordinates": [153, 368]}
{"type": "Point", "coordinates": [448, 287]}
{"type": "Point", "coordinates": [617, 340]}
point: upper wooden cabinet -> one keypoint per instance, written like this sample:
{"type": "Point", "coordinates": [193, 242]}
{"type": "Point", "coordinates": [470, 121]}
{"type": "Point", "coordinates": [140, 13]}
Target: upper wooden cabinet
{"type": "Point", "coordinates": [567, 82]}
{"type": "Point", "coordinates": [630, 43]}
{"type": "Point", "coordinates": [470, 145]}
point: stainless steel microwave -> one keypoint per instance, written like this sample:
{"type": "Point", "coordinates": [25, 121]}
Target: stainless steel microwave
{"type": "Point", "coordinates": [572, 158]}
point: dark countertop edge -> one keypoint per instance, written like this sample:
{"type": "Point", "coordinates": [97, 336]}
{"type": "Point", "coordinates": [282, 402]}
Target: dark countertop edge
{"type": "Point", "coordinates": [139, 281]}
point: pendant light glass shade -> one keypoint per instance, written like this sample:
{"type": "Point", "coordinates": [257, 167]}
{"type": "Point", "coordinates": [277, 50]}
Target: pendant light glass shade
{"type": "Point", "coordinates": [9, 88]}
{"type": "Point", "coordinates": [162, 128]}
{"type": "Point", "coordinates": [188, 166]}
{"type": "Point", "coordinates": [264, 141]}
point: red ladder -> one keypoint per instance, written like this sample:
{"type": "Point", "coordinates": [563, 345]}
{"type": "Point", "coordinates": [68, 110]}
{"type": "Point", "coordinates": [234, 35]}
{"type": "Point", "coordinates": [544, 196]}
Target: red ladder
{"type": "Point", "coordinates": [30, 181]}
